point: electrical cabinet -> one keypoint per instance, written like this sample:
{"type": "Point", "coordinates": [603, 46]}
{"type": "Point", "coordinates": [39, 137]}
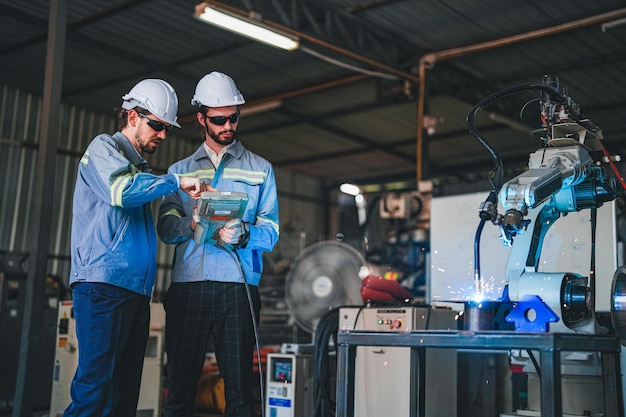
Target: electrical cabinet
{"type": "Point", "coordinates": [382, 374]}
{"type": "Point", "coordinates": [289, 385]}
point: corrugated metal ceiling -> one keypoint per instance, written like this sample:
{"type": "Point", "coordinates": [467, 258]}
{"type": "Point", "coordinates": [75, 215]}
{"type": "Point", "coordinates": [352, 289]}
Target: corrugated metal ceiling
{"type": "Point", "coordinates": [334, 122]}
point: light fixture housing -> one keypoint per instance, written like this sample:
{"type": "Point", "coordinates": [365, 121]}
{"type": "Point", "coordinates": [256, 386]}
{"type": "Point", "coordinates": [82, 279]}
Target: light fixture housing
{"type": "Point", "coordinates": [246, 27]}
{"type": "Point", "coordinates": [350, 189]}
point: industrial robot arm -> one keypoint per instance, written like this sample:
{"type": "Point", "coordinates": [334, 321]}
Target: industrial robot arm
{"type": "Point", "coordinates": [565, 177]}
{"type": "Point", "coordinates": [563, 170]}
{"type": "Point", "coordinates": [562, 177]}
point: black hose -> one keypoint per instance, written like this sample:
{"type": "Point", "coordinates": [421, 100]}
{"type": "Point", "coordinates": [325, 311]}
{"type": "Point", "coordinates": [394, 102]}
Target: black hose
{"type": "Point", "coordinates": [554, 93]}
{"type": "Point", "coordinates": [327, 327]}
{"type": "Point", "coordinates": [497, 177]}
{"type": "Point", "coordinates": [479, 231]}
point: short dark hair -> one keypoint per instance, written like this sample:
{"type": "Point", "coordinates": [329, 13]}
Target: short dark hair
{"type": "Point", "coordinates": [122, 116]}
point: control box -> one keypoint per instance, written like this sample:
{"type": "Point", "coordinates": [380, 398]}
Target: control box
{"type": "Point", "coordinates": [289, 385]}
{"type": "Point", "coordinates": [382, 374]}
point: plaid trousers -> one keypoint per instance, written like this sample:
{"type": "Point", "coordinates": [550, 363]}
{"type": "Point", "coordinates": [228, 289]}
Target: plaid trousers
{"type": "Point", "coordinates": [195, 311]}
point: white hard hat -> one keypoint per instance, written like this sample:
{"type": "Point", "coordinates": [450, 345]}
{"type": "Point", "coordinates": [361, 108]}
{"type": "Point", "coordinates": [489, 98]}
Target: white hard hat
{"type": "Point", "coordinates": [156, 96]}
{"type": "Point", "coordinates": [217, 90]}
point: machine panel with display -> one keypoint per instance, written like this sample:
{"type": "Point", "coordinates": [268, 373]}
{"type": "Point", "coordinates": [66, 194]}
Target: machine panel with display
{"type": "Point", "coordinates": [282, 370]}
{"type": "Point", "coordinates": [289, 379]}
{"type": "Point", "coordinates": [215, 209]}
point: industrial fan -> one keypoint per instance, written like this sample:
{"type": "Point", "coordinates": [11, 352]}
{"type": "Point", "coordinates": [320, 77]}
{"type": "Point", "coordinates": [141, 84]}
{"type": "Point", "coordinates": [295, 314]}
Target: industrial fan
{"type": "Point", "coordinates": [324, 276]}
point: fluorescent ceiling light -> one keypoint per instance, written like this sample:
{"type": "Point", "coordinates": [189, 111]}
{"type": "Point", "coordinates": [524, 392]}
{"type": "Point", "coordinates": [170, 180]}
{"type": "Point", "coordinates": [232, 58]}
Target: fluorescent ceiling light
{"type": "Point", "coordinates": [350, 189]}
{"type": "Point", "coordinates": [245, 27]}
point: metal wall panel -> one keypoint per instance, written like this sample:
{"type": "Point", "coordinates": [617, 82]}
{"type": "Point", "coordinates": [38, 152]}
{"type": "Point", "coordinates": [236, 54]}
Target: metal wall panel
{"type": "Point", "coordinates": [19, 137]}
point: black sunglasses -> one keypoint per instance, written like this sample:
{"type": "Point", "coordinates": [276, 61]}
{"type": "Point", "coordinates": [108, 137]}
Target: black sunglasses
{"type": "Point", "coordinates": [155, 124]}
{"type": "Point", "coordinates": [221, 120]}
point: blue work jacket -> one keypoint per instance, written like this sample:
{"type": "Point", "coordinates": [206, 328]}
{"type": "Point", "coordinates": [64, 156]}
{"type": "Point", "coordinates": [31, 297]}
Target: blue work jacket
{"type": "Point", "coordinates": [113, 236]}
{"type": "Point", "coordinates": [242, 171]}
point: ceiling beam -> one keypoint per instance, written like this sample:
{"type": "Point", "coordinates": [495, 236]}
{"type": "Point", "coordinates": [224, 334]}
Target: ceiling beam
{"type": "Point", "coordinates": [29, 19]}
{"type": "Point", "coordinates": [429, 60]}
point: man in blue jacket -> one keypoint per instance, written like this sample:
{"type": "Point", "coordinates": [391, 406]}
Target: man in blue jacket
{"type": "Point", "coordinates": [214, 289]}
{"type": "Point", "coordinates": [114, 251]}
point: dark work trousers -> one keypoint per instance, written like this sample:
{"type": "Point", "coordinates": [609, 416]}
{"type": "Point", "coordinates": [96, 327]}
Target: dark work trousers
{"type": "Point", "coordinates": [112, 326]}
{"type": "Point", "coordinates": [195, 310]}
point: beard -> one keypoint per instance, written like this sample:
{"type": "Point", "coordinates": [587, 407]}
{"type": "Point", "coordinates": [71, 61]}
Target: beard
{"type": "Point", "coordinates": [224, 141]}
{"type": "Point", "coordinates": [146, 145]}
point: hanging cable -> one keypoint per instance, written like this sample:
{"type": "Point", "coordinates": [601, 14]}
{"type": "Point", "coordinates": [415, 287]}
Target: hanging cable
{"type": "Point", "coordinates": [233, 254]}
{"type": "Point", "coordinates": [348, 66]}
{"type": "Point", "coordinates": [477, 274]}
{"type": "Point", "coordinates": [488, 209]}
{"type": "Point", "coordinates": [612, 164]}
{"type": "Point", "coordinates": [327, 328]}
{"type": "Point", "coordinates": [498, 173]}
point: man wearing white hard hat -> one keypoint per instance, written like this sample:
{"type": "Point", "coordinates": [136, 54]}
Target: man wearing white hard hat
{"type": "Point", "coordinates": [214, 290]}
{"type": "Point", "coordinates": [113, 251]}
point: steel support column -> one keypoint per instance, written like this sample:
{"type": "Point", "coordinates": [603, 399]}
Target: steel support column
{"type": "Point", "coordinates": [41, 227]}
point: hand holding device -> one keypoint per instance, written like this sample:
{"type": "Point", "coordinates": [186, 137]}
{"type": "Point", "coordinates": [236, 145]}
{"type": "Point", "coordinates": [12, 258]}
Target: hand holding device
{"type": "Point", "coordinates": [235, 232]}
{"type": "Point", "coordinates": [216, 209]}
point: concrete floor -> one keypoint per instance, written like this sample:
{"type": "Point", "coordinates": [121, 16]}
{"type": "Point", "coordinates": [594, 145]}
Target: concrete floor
{"type": "Point", "coordinates": [35, 414]}
{"type": "Point", "coordinates": [45, 414]}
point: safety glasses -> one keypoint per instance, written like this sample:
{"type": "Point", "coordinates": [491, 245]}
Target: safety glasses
{"type": "Point", "coordinates": [155, 124]}
{"type": "Point", "coordinates": [221, 120]}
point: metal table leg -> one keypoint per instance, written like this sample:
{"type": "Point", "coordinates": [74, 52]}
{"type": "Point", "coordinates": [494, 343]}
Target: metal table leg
{"type": "Point", "coordinates": [551, 399]}
{"type": "Point", "coordinates": [418, 383]}
{"type": "Point", "coordinates": [611, 380]}
{"type": "Point", "coordinates": [346, 355]}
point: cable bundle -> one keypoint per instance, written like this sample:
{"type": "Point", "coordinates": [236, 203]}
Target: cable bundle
{"type": "Point", "coordinates": [322, 350]}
